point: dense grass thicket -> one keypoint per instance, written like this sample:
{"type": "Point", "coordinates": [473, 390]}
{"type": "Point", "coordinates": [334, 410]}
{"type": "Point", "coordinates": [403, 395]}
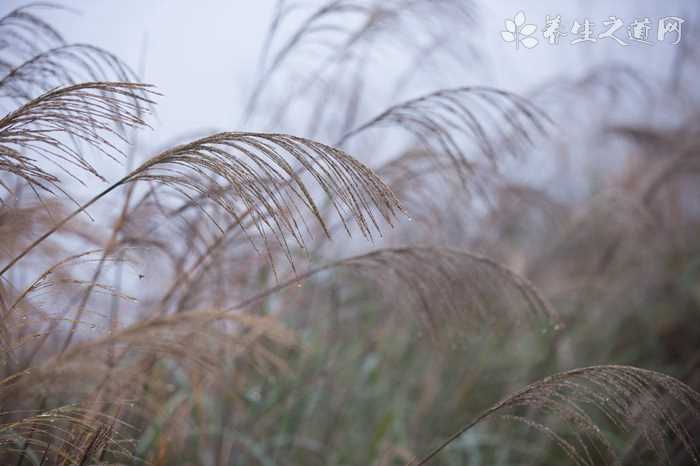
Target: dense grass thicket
{"type": "Point", "coordinates": [378, 286]}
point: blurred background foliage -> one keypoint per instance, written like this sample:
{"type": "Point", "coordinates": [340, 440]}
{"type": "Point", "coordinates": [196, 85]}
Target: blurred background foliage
{"type": "Point", "coordinates": [210, 313]}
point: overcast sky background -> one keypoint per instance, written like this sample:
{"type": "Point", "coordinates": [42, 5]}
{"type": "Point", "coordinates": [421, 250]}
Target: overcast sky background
{"type": "Point", "coordinates": [203, 56]}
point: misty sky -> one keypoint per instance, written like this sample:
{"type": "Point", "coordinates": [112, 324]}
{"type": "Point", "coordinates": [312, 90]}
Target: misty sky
{"type": "Point", "coordinates": [203, 55]}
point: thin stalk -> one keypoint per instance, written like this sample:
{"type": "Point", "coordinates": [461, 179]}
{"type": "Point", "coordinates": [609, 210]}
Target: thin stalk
{"type": "Point", "coordinates": [60, 224]}
{"type": "Point", "coordinates": [456, 435]}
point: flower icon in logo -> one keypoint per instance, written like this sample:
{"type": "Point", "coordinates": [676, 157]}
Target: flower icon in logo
{"type": "Point", "coordinates": [519, 32]}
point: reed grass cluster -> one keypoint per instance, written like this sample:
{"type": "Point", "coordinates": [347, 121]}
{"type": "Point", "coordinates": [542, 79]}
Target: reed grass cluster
{"type": "Point", "coordinates": [259, 297]}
